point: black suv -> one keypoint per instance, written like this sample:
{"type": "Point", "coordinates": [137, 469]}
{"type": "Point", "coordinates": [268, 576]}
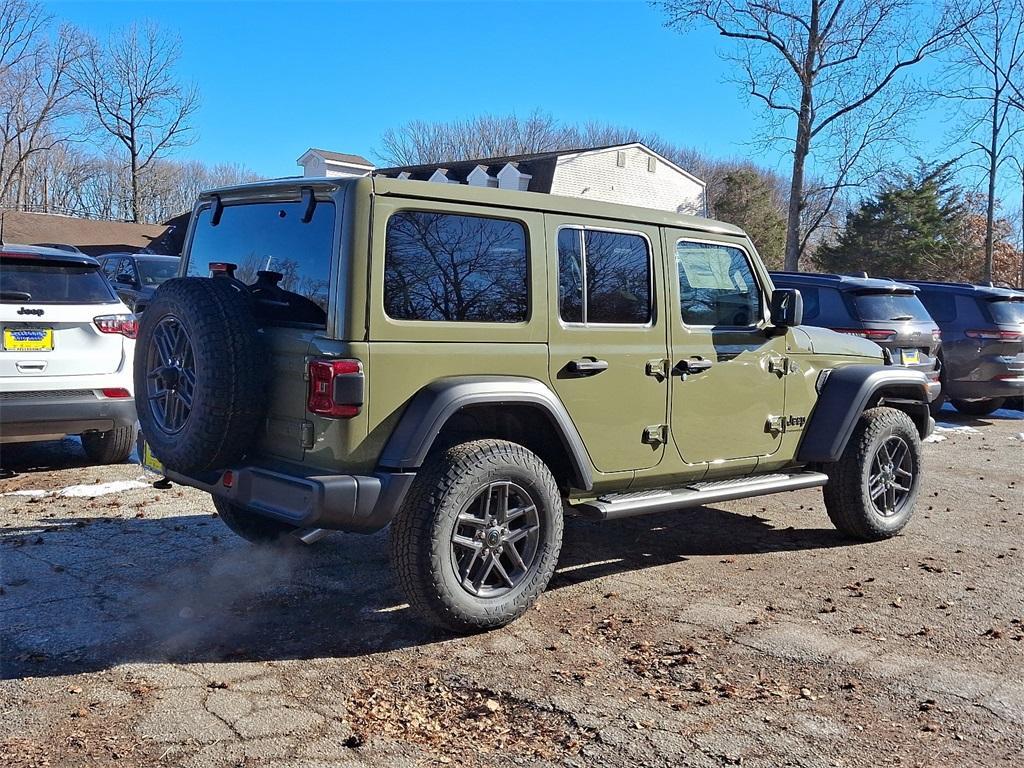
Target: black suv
{"type": "Point", "coordinates": [882, 310]}
{"type": "Point", "coordinates": [136, 276]}
{"type": "Point", "coordinates": [982, 343]}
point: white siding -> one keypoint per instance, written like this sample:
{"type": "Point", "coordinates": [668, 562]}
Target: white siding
{"type": "Point", "coordinates": [597, 176]}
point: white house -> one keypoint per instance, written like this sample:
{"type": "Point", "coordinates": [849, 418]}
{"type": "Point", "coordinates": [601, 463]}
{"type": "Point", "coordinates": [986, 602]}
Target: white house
{"type": "Point", "coordinates": [623, 173]}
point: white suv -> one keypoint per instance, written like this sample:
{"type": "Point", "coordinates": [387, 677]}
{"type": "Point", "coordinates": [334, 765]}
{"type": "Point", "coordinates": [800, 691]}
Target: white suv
{"type": "Point", "coordinates": [66, 353]}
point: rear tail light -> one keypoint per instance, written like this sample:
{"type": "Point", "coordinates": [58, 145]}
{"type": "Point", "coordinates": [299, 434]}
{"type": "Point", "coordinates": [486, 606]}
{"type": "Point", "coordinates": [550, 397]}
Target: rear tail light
{"type": "Point", "coordinates": [874, 334]}
{"type": "Point", "coordinates": [116, 392]}
{"type": "Point", "coordinates": [335, 388]}
{"type": "Point", "coordinates": [126, 325]}
{"type": "Point", "coordinates": [222, 268]}
{"type": "Point", "coordinates": [994, 334]}
{"type": "Point", "coordinates": [936, 334]}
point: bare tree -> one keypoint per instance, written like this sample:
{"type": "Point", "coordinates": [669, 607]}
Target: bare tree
{"type": "Point", "coordinates": [816, 66]}
{"type": "Point", "coordinates": [987, 60]}
{"type": "Point", "coordinates": [136, 98]}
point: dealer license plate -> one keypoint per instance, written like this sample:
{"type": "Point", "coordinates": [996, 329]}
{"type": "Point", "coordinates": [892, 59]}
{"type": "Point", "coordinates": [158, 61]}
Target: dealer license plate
{"type": "Point", "coordinates": [28, 339]}
{"type": "Point", "coordinates": [911, 357]}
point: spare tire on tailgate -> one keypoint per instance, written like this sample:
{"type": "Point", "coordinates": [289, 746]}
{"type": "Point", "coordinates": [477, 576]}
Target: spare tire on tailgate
{"type": "Point", "coordinates": [200, 374]}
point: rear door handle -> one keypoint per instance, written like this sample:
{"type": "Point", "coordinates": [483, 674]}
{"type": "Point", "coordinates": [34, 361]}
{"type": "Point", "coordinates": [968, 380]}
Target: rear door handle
{"type": "Point", "coordinates": [693, 365]}
{"type": "Point", "coordinates": [587, 366]}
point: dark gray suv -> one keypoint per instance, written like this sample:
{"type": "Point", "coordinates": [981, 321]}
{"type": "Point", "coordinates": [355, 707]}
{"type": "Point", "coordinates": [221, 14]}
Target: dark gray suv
{"type": "Point", "coordinates": [982, 343]}
{"type": "Point", "coordinates": [882, 310]}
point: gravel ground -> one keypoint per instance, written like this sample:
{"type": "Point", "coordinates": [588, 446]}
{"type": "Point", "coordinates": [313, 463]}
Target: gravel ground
{"type": "Point", "coordinates": [137, 630]}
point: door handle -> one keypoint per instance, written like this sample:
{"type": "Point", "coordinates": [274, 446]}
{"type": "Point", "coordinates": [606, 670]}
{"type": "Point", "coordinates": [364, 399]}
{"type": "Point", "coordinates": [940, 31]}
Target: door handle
{"type": "Point", "coordinates": [693, 365]}
{"type": "Point", "coordinates": [587, 366]}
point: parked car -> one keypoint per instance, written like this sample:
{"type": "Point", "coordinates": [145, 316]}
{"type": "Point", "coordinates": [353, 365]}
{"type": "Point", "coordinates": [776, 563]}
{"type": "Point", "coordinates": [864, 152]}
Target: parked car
{"type": "Point", "coordinates": [136, 276]}
{"type": "Point", "coordinates": [61, 247]}
{"type": "Point", "coordinates": [982, 343]}
{"type": "Point", "coordinates": [886, 312]}
{"type": "Point", "coordinates": [66, 357]}
{"type": "Point", "coordinates": [467, 364]}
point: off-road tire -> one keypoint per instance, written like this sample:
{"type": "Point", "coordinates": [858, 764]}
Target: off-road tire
{"type": "Point", "coordinates": [229, 400]}
{"type": "Point", "coordinates": [253, 527]}
{"type": "Point", "coordinates": [111, 447]}
{"type": "Point", "coordinates": [847, 500]}
{"type": "Point", "coordinates": [978, 407]}
{"type": "Point", "coordinates": [421, 533]}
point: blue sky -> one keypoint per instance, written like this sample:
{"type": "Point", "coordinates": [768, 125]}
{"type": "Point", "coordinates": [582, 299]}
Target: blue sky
{"type": "Point", "coordinates": [276, 78]}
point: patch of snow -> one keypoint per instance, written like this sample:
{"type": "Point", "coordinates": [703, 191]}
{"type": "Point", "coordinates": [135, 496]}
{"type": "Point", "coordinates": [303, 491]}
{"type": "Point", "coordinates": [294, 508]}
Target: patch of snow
{"type": "Point", "coordinates": [34, 493]}
{"type": "Point", "coordinates": [101, 489]}
{"type": "Point", "coordinates": [961, 428]}
{"type": "Point", "coordinates": [1018, 436]}
{"type": "Point", "coordinates": [935, 437]}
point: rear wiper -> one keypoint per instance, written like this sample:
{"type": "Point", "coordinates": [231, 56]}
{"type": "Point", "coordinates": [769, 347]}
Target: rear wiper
{"type": "Point", "coordinates": [902, 317]}
{"type": "Point", "coordinates": [15, 296]}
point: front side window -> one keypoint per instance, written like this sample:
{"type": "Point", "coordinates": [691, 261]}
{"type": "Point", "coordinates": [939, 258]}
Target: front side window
{"type": "Point", "coordinates": [285, 261]}
{"type": "Point", "coordinates": [717, 286]}
{"type": "Point", "coordinates": [449, 267]}
{"type": "Point", "coordinates": [110, 267]}
{"type": "Point", "coordinates": [603, 277]}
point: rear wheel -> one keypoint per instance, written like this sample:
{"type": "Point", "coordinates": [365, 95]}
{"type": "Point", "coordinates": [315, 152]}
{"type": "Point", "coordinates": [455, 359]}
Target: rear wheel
{"type": "Point", "coordinates": [251, 526]}
{"type": "Point", "coordinates": [111, 447]}
{"type": "Point", "coordinates": [978, 407]}
{"type": "Point", "coordinates": [478, 536]}
{"type": "Point", "coordinates": [873, 487]}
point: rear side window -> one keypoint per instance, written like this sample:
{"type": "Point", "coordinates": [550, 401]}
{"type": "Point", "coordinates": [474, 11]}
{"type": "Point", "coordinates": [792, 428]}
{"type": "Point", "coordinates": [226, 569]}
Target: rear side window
{"type": "Point", "coordinates": [448, 267]}
{"type": "Point", "coordinates": [941, 306]}
{"type": "Point", "coordinates": [1007, 312]}
{"type": "Point", "coordinates": [890, 306]}
{"type": "Point", "coordinates": [53, 284]}
{"type": "Point", "coordinates": [286, 262]}
{"type": "Point", "coordinates": [110, 268]}
{"type": "Point", "coordinates": [717, 286]}
{"type": "Point", "coordinates": [812, 302]}
{"type": "Point", "coordinates": [604, 277]}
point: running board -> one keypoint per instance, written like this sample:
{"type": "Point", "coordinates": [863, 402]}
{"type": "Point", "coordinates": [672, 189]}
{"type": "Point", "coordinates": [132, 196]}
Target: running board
{"type": "Point", "coordinates": [615, 505]}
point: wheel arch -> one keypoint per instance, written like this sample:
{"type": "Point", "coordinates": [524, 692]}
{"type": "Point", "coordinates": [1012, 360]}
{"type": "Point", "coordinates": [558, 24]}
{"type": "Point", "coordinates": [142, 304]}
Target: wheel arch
{"type": "Point", "coordinates": [847, 392]}
{"type": "Point", "coordinates": [515, 408]}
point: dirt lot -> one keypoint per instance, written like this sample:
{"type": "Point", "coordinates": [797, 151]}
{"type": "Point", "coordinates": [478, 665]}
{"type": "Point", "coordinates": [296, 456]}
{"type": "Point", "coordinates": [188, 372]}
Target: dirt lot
{"type": "Point", "coordinates": [138, 631]}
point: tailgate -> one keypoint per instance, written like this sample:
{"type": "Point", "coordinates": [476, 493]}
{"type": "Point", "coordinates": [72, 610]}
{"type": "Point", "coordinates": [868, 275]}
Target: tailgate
{"type": "Point", "coordinates": [58, 341]}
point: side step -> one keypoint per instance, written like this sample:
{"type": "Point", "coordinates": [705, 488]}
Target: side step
{"type": "Point", "coordinates": [616, 505]}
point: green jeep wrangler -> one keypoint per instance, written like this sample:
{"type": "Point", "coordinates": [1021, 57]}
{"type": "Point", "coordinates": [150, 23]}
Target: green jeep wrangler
{"type": "Point", "coordinates": [471, 364]}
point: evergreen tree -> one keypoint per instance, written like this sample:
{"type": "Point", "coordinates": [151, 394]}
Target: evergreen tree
{"type": "Point", "coordinates": [747, 198]}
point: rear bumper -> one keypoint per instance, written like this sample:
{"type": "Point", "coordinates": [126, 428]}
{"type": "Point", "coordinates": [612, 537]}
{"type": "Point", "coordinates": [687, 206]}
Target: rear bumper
{"type": "Point", "coordinates": [968, 390]}
{"type": "Point", "coordinates": [354, 503]}
{"type": "Point", "coordinates": [27, 416]}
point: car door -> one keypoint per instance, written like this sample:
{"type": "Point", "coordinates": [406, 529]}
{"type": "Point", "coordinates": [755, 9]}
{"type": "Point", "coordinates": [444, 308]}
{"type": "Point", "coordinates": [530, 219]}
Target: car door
{"type": "Point", "coordinates": [608, 339]}
{"type": "Point", "coordinates": [728, 374]}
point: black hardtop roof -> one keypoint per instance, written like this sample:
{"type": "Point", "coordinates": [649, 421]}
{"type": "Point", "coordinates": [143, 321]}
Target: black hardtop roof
{"type": "Point", "coordinates": [43, 254]}
{"type": "Point", "coordinates": [851, 283]}
{"type": "Point", "coordinates": [987, 292]}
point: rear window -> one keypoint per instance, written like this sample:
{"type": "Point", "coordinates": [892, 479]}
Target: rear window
{"type": "Point", "coordinates": [1007, 312]}
{"type": "Point", "coordinates": [286, 261]}
{"type": "Point", "coordinates": [890, 306]}
{"type": "Point", "coordinates": [53, 284]}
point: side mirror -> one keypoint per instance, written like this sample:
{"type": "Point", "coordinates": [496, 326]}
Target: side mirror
{"type": "Point", "coordinates": [787, 308]}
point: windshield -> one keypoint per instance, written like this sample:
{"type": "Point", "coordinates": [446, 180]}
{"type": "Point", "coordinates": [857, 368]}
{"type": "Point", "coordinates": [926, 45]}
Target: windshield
{"type": "Point", "coordinates": [156, 271]}
{"type": "Point", "coordinates": [890, 306]}
{"type": "Point", "coordinates": [286, 262]}
{"type": "Point", "coordinates": [1007, 312]}
{"type": "Point", "coordinates": [53, 284]}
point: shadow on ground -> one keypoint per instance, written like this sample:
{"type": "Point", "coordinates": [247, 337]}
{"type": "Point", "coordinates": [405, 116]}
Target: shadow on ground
{"type": "Point", "coordinates": [87, 593]}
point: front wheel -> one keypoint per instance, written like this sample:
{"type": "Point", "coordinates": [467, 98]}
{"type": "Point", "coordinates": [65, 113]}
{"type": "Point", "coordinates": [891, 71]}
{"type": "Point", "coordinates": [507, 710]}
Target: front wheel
{"type": "Point", "coordinates": [978, 407]}
{"type": "Point", "coordinates": [872, 489]}
{"type": "Point", "coordinates": [478, 536]}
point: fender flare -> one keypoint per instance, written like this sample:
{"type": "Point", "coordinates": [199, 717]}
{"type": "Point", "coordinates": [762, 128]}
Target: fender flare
{"type": "Point", "coordinates": [431, 407]}
{"type": "Point", "coordinates": [846, 393]}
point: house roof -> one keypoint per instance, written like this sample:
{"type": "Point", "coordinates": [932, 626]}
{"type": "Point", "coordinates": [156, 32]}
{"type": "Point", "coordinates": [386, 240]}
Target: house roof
{"type": "Point", "coordinates": [340, 157]}
{"type": "Point", "coordinates": [92, 236]}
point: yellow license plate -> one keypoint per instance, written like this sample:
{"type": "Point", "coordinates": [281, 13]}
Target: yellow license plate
{"type": "Point", "coordinates": [911, 357]}
{"type": "Point", "coordinates": [28, 339]}
{"type": "Point", "coordinates": [149, 461]}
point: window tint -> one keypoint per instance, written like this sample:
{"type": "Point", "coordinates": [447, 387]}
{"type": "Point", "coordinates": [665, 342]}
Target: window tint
{"type": "Point", "coordinates": [1007, 312]}
{"type": "Point", "coordinates": [613, 271]}
{"type": "Point", "coordinates": [941, 306]}
{"type": "Point", "coordinates": [441, 266]}
{"type": "Point", "coordinates": [889, 306]}
{"type": "Point", "coordinates": [716, 286]}
{"type": "Point", "coordinates": [50, 284]}
{"type": "Point", "coordinates": [286, 262]}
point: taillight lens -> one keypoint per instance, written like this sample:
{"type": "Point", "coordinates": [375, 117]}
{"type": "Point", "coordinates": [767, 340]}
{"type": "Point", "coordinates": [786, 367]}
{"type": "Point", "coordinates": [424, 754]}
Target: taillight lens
{"type": "Point", "coordinates": [126, 325]}
{"type": "Point", "coordinates": [936, 334]}
{"type": "Point", "coordinates": [994, 334]}
{"type": "Point", "coordinates": [874, 334]}
{"type": "Point", "coordinates": [335, 388]}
